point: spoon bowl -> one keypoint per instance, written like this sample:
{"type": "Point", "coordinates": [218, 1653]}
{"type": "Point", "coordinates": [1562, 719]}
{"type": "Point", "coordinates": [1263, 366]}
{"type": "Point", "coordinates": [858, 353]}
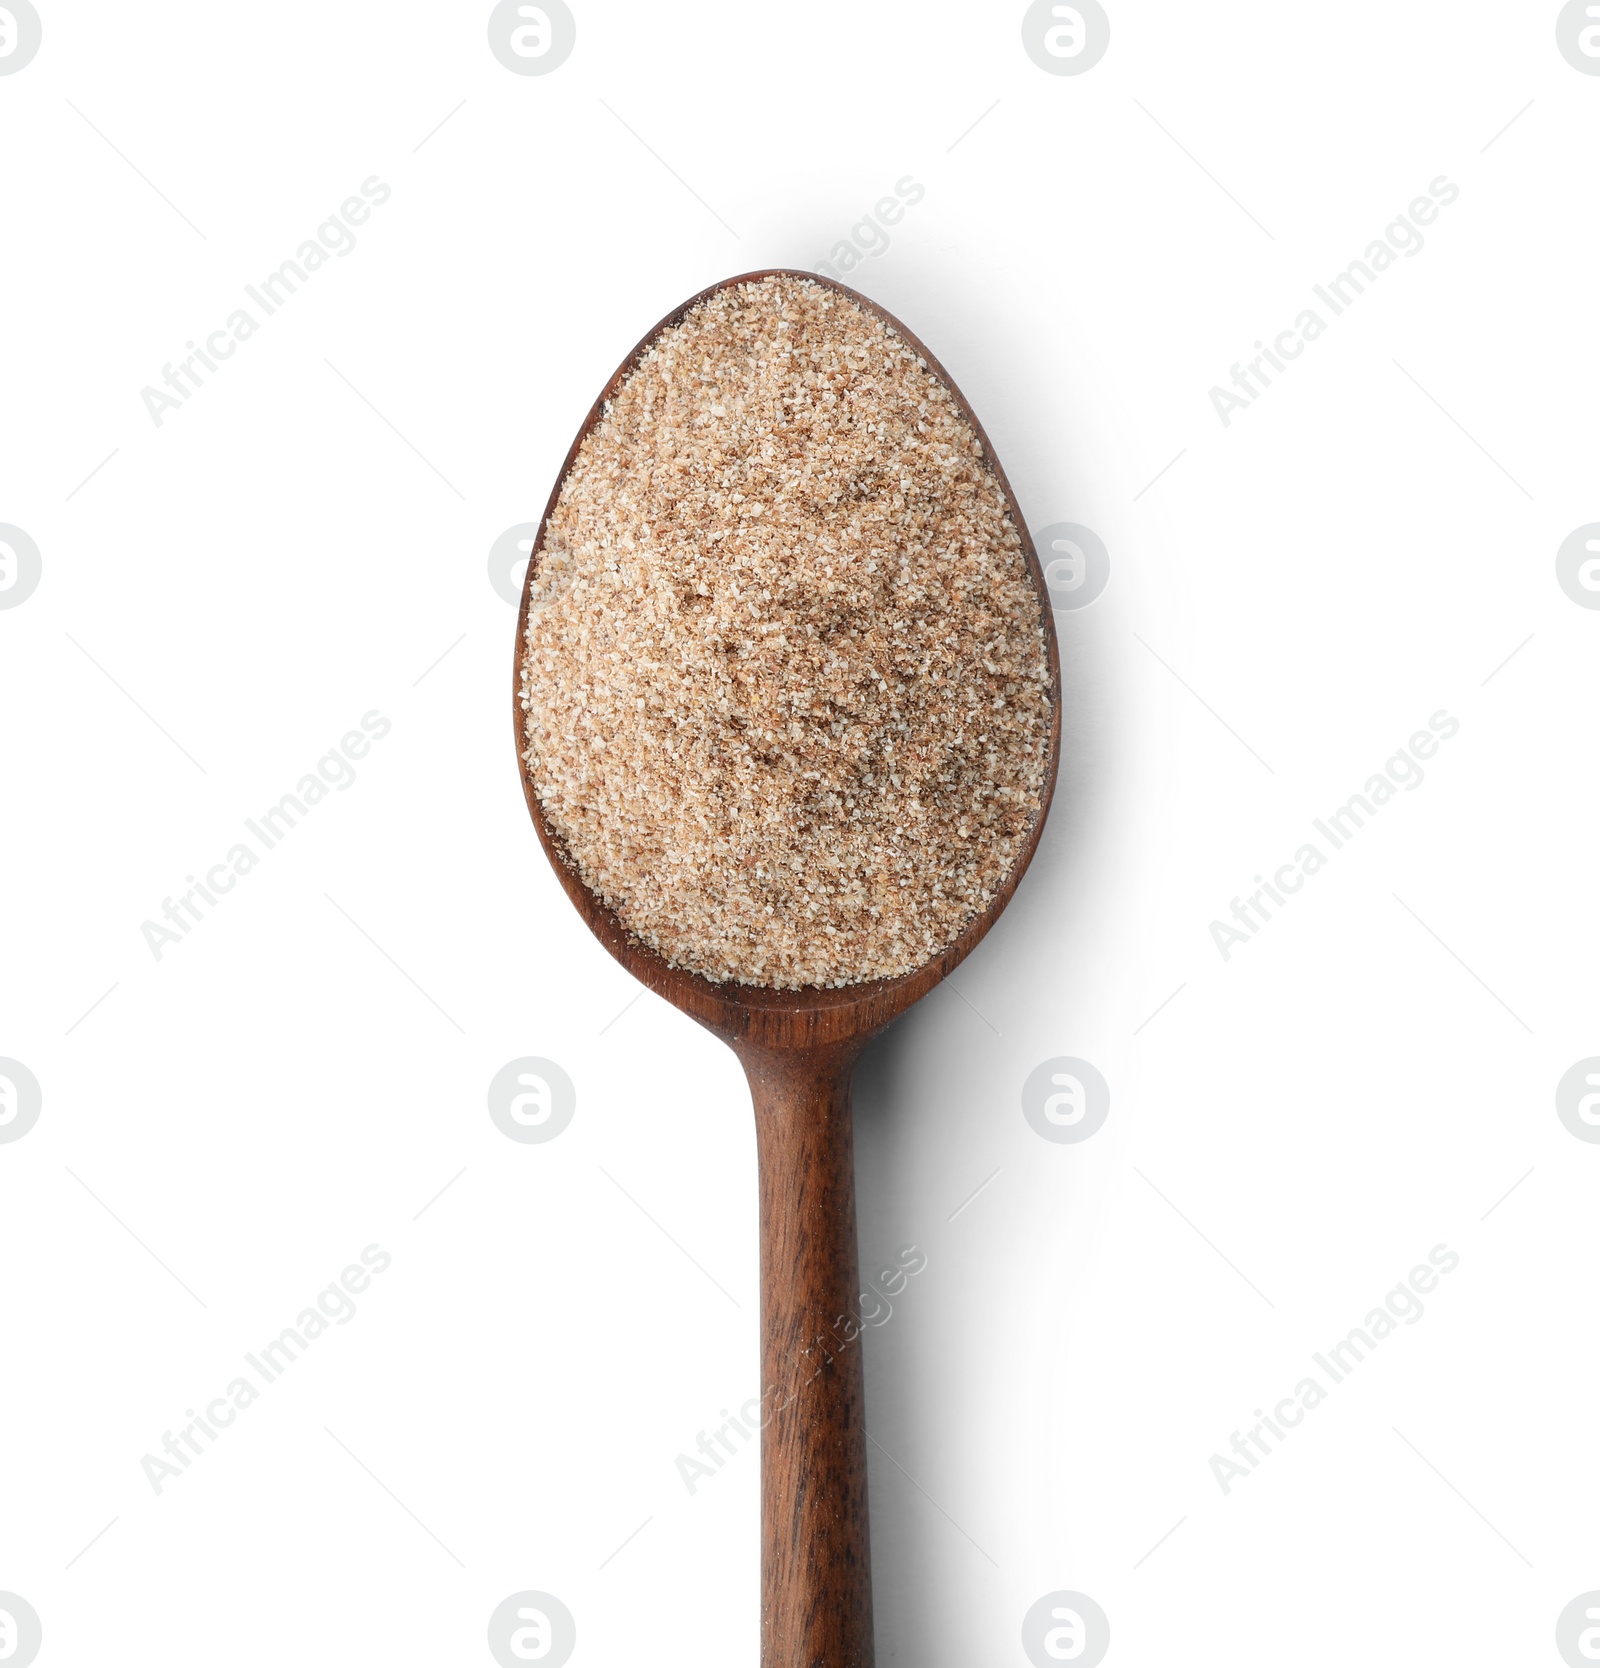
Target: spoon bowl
{"type": "Point", "coordinates": [798, 1049]}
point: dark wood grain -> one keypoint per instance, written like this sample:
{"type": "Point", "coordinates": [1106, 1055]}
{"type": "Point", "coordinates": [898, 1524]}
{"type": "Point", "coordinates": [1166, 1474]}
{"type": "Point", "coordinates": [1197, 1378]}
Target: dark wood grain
{"type": "Point", "coordinates": [816, 1564]}
{"type": "Point", "coordinates": [798, 1049]}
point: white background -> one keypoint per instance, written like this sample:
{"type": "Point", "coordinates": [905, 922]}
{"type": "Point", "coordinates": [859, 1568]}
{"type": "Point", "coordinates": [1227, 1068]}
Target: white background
{"type": "Point", "coordinates": [1288, 1135]}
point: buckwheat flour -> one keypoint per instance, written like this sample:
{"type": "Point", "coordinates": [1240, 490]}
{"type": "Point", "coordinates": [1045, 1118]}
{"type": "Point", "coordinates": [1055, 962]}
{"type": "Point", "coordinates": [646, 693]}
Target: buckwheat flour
{"type": "Point", "coordinates": [785, 673]}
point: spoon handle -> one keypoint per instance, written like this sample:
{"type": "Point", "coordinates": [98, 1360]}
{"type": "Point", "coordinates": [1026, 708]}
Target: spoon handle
{"type": "Point", "coordinates": [816, 1573]}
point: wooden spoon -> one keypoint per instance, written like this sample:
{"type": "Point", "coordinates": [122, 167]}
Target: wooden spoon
{"type": "Point", "coordinates": [799, 1049]}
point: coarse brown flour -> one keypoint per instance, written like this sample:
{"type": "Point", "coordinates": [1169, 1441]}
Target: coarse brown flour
{"type": "Point", "coordinates": [785, 671]}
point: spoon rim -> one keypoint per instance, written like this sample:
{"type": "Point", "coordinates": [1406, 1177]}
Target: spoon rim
{"type": "Point", "coordinates": [767, 1016]}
